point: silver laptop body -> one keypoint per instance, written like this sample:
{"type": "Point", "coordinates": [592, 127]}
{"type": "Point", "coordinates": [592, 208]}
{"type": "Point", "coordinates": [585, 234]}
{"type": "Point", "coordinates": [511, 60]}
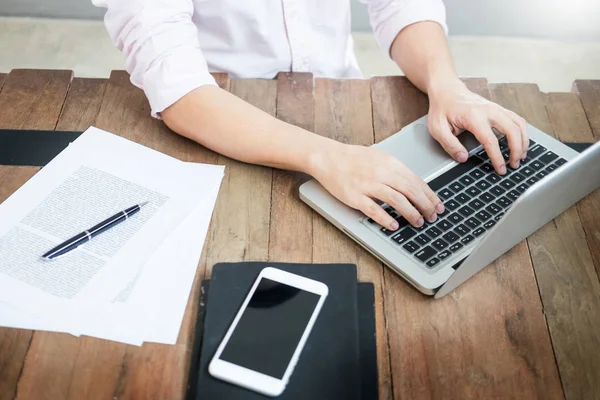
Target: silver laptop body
{"type": "Point", "coordinates": [538, 204]}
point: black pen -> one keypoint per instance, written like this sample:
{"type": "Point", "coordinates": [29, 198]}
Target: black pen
{"type": "Point", "coordinates": [94, 231]}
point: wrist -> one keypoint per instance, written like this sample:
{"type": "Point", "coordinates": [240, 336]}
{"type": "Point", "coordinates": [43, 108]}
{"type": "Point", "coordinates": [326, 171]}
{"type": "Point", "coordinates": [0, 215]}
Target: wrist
{"type": "Point", "coordinates": [319, 156]}
{"type": "Point", "coordinates": [439, 84]}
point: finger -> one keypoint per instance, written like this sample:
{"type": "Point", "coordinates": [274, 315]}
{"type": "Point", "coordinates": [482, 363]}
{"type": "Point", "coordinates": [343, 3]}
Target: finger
{"type": "Point", "coordinates": [524, 132]}
{"type": "Point", "coordinates": [502, 122]}
{"type": "Point", "coordinates": [441, 131]}
{"type": "Point", "coordinates": [401, 204]}
{"type": "Point", "coordinates": [439, 206]}
{"type": "Point", "coordinates": [483, 132]}
{"type": "Point", "coordinates": [377, 213]}
{"type": "Point", "coordinates": [411, 186]}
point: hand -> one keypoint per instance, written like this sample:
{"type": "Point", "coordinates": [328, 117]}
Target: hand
{"type": "Point", "coordinates": [454, 108]}
{"type": "Point", "coordinates": [357, 175]}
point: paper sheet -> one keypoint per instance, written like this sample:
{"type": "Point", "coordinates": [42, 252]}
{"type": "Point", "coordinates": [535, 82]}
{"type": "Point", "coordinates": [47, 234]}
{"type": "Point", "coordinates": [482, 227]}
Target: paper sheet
{"type": "Point", "coordinates": [99, 175]}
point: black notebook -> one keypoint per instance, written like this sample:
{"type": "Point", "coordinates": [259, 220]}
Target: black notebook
{"type": "Point", "coordinates": [339, 359]}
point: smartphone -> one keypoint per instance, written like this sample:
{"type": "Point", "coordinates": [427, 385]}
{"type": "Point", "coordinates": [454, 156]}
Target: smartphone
{"type": "Point", "coordinates": [263, 344]}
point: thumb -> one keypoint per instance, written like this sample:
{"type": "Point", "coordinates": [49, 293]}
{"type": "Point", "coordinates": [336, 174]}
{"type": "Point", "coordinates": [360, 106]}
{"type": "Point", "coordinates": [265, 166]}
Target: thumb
{"type": "Point", "coordinates": [441, 131]}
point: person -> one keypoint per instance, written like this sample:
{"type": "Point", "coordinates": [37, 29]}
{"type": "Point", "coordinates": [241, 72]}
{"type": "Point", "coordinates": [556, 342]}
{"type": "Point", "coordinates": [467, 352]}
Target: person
{"type": "Point", "coordinates": [171, 45]}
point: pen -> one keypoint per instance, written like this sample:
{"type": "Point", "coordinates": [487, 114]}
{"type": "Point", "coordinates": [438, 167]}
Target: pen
{"type": "Point", "coordinates": [94, 231]}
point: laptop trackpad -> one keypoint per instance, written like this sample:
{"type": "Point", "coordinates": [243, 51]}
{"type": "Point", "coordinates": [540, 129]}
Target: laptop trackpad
{"type": "Point", "coordinates": [419, 151]}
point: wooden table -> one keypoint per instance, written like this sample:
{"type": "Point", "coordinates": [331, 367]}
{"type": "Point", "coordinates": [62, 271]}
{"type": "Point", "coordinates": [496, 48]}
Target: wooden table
{"type": "Point", "coordinates": [527, 327]}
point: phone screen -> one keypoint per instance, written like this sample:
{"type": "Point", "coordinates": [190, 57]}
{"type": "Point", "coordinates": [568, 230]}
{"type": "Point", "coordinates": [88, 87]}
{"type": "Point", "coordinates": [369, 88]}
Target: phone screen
{"type": "Point", "coordinates": [270, 328]}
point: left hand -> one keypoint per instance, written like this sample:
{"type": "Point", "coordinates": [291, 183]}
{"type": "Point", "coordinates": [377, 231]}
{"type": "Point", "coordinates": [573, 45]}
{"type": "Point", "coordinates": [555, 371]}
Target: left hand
{"type": "Point", "coordinates": [454, 108]}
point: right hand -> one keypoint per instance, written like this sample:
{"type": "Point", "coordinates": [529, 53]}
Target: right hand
{"type": "Point", "coordinates": [357, 175]}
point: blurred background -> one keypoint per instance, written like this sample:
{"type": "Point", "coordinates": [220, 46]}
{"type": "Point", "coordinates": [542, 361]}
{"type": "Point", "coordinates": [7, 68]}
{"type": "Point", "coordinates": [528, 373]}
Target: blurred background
{"type": "Point", "coordinates": [548, 42]}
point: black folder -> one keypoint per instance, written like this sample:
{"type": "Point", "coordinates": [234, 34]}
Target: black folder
{"type": "Point", "coordinates": [339, 360]}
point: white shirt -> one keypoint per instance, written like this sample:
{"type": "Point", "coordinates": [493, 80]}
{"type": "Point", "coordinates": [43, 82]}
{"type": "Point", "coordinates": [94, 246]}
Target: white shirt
{"type": "Point", "coordinates": [171, 45]}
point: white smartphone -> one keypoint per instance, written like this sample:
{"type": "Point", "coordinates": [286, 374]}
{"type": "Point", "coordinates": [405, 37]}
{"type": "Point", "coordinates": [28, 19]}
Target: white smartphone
{"type": "Point", "coordinates": [263, 344]}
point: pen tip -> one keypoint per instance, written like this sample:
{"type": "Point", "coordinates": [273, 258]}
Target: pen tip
{"type": "Point", "coordinates": [143, 204]}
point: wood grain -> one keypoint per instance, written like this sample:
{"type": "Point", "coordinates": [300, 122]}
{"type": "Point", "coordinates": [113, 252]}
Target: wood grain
{"type": "Point", "coordinates": [343, 113]}
{"type": "Point", "coordinates": [2, 77]}
{"type": "Point", "coordinates": [240, 228]}
{"type": "Point", "coordinates": [29, 100]}
{"type": "Point", "coordinates": [570, 282]}
{"type": "Point", "coordinates": [589, 93]}
{"type": "Point", "coordinates": [82, 104]}
{"type": "Point", "coordinates": [487, 339]}
{"type": "Point", "coordinates": [290, 238]}
{"type": "Point", "coordinates": [32, 99]}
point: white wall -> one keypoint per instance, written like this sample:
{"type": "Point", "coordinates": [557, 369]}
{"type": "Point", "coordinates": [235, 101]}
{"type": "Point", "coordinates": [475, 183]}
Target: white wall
{"type": "Point", "coordinates": [556, 19]}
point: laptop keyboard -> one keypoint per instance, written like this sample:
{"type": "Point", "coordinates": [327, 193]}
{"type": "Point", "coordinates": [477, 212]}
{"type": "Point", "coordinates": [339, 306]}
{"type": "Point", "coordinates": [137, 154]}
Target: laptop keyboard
{"type": "Point", "coordinates": [475, 198]}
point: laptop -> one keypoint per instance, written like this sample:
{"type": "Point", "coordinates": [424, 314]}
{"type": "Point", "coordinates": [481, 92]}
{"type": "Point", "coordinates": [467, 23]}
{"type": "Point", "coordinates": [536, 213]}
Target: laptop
{"type": "Point", "coordinates": [486, 214]}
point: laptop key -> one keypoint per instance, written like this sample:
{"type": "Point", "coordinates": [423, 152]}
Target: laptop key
{"type": "Point", "coordinates": [439, 244]}
{"type": "Point", "coordinates": [466, 211]}
{"type": "Point", "coordinates": [445, 194]}
{"type": "Point", "coordinates": [560, 161]}
{"type": "Point", "coordinates": [404, 235]}
{"type": "Point", "coordinates": [433, 262]}
{"type": "Point", "coordinates": [498, 217]}
{"type": "Point", "coordinates": [536, 150]}
{"type": "Point", "coordinates": [451, 204]}
{"type": "Point", "coordinates": [467, 239]}
{"type": "Point", "coordinates": [476, 204]}
{"type": "Point", "coordinates": [483, 215]}
{"type": "Point", "coordinates": [493, 178]}
{"type": "Point", "coordinates": [425, 253]}
{"type": "Point", "coordinates": [452, 174]}
{"type": "Point", "coordinates": [548, 157]}
{"type": "Point", "coordinates": [473, 191]}
{"type": "Point", "coordinates": [455, 247]}
{"type": "Point", "coordinates": [506, 155]}
{"type": "Point", "coordinates": [507, 184]}
{"type": "Point", "coordinates": [433, 232]}
{"type": "Point", "coordinates": [513, 195]}
{"type": "Point", "coordinates": [466, 180]}
{"type": "Point", "coordinates": [517, 178]}
{"type": "Point", "coordinates": [489, 224]}
{"type": "Point", "coordinates": [497, 190]}
{"type": "Point", "coordinates": [422, 239]}
{"type": "Point", "coordinates": [451, 237]}
{"type": "Point", "coordinates": [456, 187]}
{"type": "Point", "coordinates": [388, 232]}
{"type": "Point", "coordinates": [493, 209]}
{"type": "Point", "coordinates": [411, 247]}
{"type": "Point", "coordinates": [522, 187]}
{"type": "Point", "coordinates": [478, 232]}
{"type": "Point", "coordinates": [541, 174]}
{"type": "Point", "coordinates": [476, 173]}
{"type": "Point", "coordinates": [533, 180]}
{"type": "Point", "coordinates": [444, 225]}
{"type": "Point", "coordinates": [455, 218]}
{"type": "Point", "coordinates": [536, 165]}
{"type": "Point", "coordinates": [472, 223]}
{"type": "Point", "coordinates": [527, 171]}
{"type": "Point", "coordinates": [487, 168]}
{"type": "Point", "coordinates": [486, 197]}
{"type": "Point", "coordinates": [462, 230]}
{"type": "Point", "coordinates": [550, 168]}
{"type": "Point", "coordinates": [483, 185]}
{"type": "Point", "coordinates": [462, 198]}
{"type": "Point", "coordinates": [444, 254]}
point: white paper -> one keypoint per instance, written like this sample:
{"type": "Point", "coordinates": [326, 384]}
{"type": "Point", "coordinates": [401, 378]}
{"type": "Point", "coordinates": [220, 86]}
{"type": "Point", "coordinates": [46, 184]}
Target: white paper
{"type": "Point", "coordinates": [99, 175]}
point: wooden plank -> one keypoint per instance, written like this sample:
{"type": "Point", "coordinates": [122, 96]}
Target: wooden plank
{"type": "Point", "coordinates": [82, 104]}
{"type": "Point", "coordinates": [240, 228]}
{"type": "Point", "coordinates": [290, 238]}
{"type": "Point", "coordinates": [589, 93]}
{"type": "Point", "coordinates": [30, 100]}
{"type": "Point", "coordinates": [490, 331]}
{"type": "Point", "coordinates": [570, 282]}
{"type": "Point", "coordinates": [343, 112]}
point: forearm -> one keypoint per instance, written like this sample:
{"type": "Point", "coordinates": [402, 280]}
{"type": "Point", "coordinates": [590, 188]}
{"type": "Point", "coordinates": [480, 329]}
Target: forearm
{"type": "Point", "coordinates": [421, 50]}
{"type": "Point", "coordinates": [228, 125]}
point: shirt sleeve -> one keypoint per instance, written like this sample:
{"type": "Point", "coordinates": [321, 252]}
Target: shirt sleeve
{"type": "Point", "coordinates": [161, 47]}
{"type": "Point", "coordinates": [389, 17]}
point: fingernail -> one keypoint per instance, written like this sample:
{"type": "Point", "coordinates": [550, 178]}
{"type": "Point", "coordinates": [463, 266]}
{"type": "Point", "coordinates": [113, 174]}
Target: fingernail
{"type": "Point", "coordinates": [502, 169]}
{"type": "Point", "coordinates": [420, 222]}
{"type": "Point", "coordinates": [462, 156]}
{"type": "Point", "coordinates": [440, 208]}
{"type": "Point", "coordinates": [433, 217]}
{"type": "Point", "coordinates": [517, 164]}
{"type": "Point", "coordinates": [524, 156]}
{"type": "Point", "coordinates": [394, 225]}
